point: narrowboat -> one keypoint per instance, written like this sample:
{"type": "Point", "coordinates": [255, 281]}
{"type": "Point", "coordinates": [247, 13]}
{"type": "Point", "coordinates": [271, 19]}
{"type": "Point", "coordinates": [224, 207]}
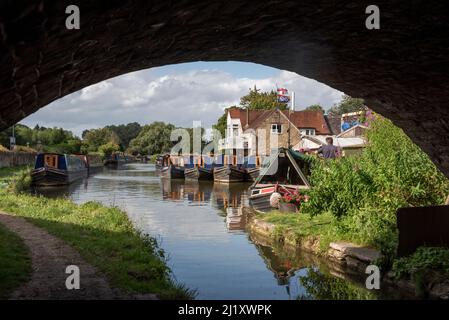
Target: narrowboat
{"type": "Point", "coordinates": [230, 171]}
{"type": "Point", "coordinates": [284, 172]}
{"type": "Point", "coordinates": [94, 163]}
{"type": "Point", "coordinates": [52, 169]}
{"type": "Point", "coordinates": [252, 168]}
{"type": "Point", "coordinates": [171, 170]}
{"type": "Point", "coordinates": [201, 169]}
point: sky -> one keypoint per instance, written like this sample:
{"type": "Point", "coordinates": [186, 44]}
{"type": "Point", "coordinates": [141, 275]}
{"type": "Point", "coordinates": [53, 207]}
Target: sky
{"type": "Point", "coordinates": [179, 94]}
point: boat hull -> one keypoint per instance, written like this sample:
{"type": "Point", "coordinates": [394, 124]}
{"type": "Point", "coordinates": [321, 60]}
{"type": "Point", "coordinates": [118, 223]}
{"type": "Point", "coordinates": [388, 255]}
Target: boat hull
{"type": "Point", "coordinates": [198, 173]}
{"type": "Point", "coordinates": [55, 177]}
{"type": "Point", "coordinates": [229, 174]}
{"type": "Point", "coordinates": [172, 172]}
{"type": "Point", "coordinates": [252, 174]}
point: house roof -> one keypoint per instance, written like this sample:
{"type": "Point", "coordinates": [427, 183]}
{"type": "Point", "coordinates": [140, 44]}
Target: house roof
{"type": "Point", "coordinates": [300, 119]}
{"type": "Point", "coordinates": [333, 123]}
{"type": "Point", "coordinates": [352, 128]}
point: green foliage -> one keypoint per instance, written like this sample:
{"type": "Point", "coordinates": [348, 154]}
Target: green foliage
{"type": "Point", "coordinates": [126, 133]}
{"type": "Point", "coordinates": [315, 107]}
{"type": "Point", "coordinates": [44, 139]}
{"type": "Point", "coordinates": [365, 191]}
{"type": "Point", "coordinates": [152, 139]}
{"type": "Point", "coordinates": [422, 260]}
{"type": "Point", "coordinates": [15, 262]}
{"type": "Point", "coordinates": [105, 237]}
{"type": "Point", "coordinates": [108, 149]}
{"type": "Point", "coordinates": [95, 138]}
{"type": "Point", "coordinates": [20, 181]}
{"type": "Point", "coordinates": [347, 105]}
{"type": "Point", "coordinates": [222, 123]}
{"type": "Point", "coordinates": [259, 100]}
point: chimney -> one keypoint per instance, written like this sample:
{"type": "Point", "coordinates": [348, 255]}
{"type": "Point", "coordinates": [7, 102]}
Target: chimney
{"type": "Point", "coordinates": [247, 117]}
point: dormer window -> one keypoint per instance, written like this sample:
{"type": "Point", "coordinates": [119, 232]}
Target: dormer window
{"type": "Point", "coordinates": [308, 132]}
{"type": "Point", "coordinates": [276, 128]}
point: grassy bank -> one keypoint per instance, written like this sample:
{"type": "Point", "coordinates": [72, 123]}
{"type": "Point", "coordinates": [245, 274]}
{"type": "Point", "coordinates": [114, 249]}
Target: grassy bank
{"type": "Point", "coordinates": [302, 226]}
{"type": "Point", "coordinates": [104, 237]}
{"type": "Point", "coordinates": [15, 264]}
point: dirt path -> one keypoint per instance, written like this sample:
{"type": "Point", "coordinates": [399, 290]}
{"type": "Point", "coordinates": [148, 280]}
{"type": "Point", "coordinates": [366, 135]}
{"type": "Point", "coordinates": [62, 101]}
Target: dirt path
{"type": "Point", "coordinates": [50, 257]}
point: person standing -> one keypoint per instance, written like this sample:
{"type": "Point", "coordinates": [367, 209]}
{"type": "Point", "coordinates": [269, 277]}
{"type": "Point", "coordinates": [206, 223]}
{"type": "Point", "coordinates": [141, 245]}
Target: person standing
{"type": "Point", "coordinates": [328, 151]}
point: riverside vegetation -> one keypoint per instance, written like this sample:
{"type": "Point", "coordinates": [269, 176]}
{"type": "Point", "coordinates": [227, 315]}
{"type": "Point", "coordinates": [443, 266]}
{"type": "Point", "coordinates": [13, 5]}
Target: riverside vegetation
{"type": "Point", "coordinates": [355, 199]}
{"type": "Point", "coordinates": [104, 237]}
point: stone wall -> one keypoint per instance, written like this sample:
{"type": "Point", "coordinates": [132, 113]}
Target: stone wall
{"type": "Point", "coordinates": [11, 159]}
{"type": "Point", "coordinates": [402, 70]}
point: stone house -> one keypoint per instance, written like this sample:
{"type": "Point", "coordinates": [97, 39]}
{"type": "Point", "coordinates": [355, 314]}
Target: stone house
{"type": "Point", "coordinates": [259, 132]}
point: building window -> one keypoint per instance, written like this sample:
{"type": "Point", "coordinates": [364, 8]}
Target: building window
{"type": "Point", "coordinates": [235, 130]}
{"type": "Point", "coordinates": [276, 128]}
{"type": "Point", "coordinates": [308, 132]}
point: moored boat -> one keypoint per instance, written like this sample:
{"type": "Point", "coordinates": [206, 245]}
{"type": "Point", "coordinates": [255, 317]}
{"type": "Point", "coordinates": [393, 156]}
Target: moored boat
{"type": "Point", "coordinates": [229, 174]}
{"type": "Point", "coordinates": [252, 168]}
{"type": "Point", "coordinates": [52, 169]}
{"type": "Point", "coordinates": [201, 168]}
{"type": "Point", "coordinates": [283, 173]}
{"type": "Point", "coordinates": [172, 172]}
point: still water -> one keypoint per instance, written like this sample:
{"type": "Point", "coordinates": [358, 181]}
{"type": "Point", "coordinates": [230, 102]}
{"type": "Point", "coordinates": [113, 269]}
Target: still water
{"type": "Point", "coordinates": [202, 229]}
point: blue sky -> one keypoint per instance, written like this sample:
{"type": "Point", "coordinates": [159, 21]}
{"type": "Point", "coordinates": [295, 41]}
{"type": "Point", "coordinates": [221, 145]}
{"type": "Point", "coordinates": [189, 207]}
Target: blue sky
{"type": "Point", "coordinates": [179, 94]}
{"type": "Point", "coordinates": [235, 68]}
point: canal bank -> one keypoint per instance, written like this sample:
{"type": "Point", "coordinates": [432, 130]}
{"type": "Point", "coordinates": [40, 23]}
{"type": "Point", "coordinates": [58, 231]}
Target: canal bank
{"type": "Point", "coordinates": [346, 260]}
{"type": "Point", "coordinates": [103, 236]}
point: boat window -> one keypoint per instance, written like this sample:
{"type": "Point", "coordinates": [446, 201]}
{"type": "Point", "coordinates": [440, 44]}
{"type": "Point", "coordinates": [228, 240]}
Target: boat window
{"type": "Point", "coordinates": [51, 160]}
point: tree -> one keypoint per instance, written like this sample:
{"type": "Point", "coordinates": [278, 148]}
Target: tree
{"type": "Point", "coordinates": [126, 133]}
{"type": "Point", "coordinates": [346, 105]}
{"type": "Point", "coordinates": [152, 139]}
{"type": "Point", "coordinates": [95, 138]}
{"type": "Point", "coordinates": [259, 100]}
{"type": "Point", "coordinates": [108, 148]}
{"type": "Point", "coordinates": [221, 123]}
{"type": "Point", "coordinates": [315, 107]}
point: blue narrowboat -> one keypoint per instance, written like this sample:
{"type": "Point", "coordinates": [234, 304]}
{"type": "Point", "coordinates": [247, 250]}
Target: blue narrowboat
{"type": "Point", "coordinates": [52, 169]}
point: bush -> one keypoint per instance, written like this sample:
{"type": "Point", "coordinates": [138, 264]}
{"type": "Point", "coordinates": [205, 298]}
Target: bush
{"type": "Point", "coordinates": [20, 182]}
{"type": "Point", "coordinates": [423, 260]}
{"type": "Point", "coordinates": [364, 191]}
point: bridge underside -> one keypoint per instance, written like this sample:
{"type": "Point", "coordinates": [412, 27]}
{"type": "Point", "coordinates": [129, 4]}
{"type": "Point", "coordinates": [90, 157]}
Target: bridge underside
{"type": "Point", "coordinates": [401, 70]}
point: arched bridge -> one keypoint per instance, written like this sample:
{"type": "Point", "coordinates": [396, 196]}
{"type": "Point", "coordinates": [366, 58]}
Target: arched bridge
{"type": "Point", "coordinates": [401, 70]}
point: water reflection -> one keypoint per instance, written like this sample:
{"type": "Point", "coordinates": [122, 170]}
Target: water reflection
{"type": "Point", "coordinates": [202, 227]}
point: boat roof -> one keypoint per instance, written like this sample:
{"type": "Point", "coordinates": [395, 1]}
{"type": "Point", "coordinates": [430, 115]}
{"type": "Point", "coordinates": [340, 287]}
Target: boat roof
{"type": "Point", "coordinates": [292, 156]}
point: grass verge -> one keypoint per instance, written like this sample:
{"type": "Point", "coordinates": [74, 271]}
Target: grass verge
{"type": "Point", "coordinates": [104, 236]}
{"type": "Point", "coordinates": [15, 263]}
{"type": "Point", "coordinates": [323, 227]}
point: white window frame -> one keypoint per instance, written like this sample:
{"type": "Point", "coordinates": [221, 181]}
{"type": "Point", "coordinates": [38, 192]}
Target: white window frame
{"type": "Point", "coordinates": [308, 132]}
{"type": "Point", "coordinates": [276, 128]}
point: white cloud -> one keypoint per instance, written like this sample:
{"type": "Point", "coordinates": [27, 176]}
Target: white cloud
{"type": "Point", "coordinates": [179, 98]}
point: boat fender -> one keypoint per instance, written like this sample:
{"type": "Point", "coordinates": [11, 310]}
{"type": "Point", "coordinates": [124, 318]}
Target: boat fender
{"type": "Point", "coordinates": [274, 199]}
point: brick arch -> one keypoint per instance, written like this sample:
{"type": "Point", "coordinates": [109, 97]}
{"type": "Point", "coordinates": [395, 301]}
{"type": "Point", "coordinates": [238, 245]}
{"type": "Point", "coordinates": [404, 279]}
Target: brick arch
{"type": "Point", "coordinates": [401, 70]}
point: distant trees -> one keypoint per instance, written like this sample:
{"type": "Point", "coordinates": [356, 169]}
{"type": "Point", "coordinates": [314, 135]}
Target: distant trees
{"type": "Point", "coordinates": [46, 139]}
{"type": "Point", "coordinates": [260, 100]}
{"type": "Point", "coordinates": [126, 132]}
{"type": "Point", "coordinates": [346, 105]}
{"type": "Point", "coordinates": [95, 140]}
{"type": "Point", "coordinates": [315, 107]}
{"type": "Point", "coordinates": [152, 139]}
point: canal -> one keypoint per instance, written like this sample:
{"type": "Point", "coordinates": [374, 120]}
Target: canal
{"type": "Point", "coordinates": [201, 226]}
